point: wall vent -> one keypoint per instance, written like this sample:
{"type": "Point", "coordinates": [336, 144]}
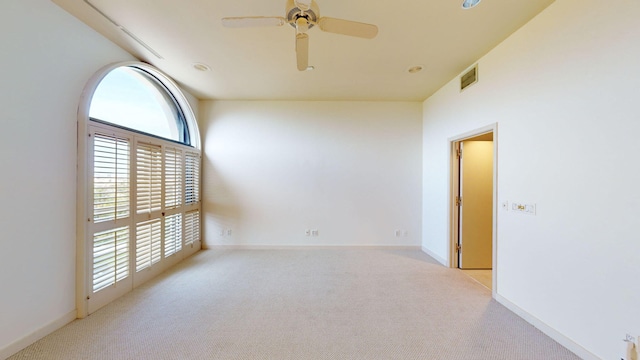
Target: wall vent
{"type": "Point", "coordinates": [469, 78]}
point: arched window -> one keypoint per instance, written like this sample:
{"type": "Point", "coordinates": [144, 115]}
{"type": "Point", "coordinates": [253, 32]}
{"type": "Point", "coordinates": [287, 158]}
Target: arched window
{"type": "Point", "coordinates": [139, 189]}
{"type": "Point", "coordinates": [133, 98]}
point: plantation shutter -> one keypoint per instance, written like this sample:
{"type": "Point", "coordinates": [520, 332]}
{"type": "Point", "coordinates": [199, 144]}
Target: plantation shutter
{"type": "Point", "coordinates": [173, 178]}
{"type": "Point", "coordinates": [110, 257]}
{"type": "Point", "coordinates": [192, 197]}
{"type": "Point", "coordinates": [148, 178]}
{"type": "Point", "coordinates": [148, 201]}
{"type": "Point", "coordinates": [192, 227]}
{"type": "Point", "coordinates": [144, 209]}
{"type": "Point", "coordinates": [111, 210]}
{"type": "Point", "coordinates": [148, 243]}
{"type": "Point", "coordinates": [192, 178]}
{"type": "Point", "coordinates": [110, 178]}
{"type": "Point", "coordinates": [172, 234]}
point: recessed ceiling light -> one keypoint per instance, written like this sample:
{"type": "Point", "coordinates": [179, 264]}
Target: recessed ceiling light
{"type": "Point", "coordinates": [468, 4]}
{"type": "Point", "coordinates": [201, 67]}
{"type": "Point", "coordinates": [415, 69]}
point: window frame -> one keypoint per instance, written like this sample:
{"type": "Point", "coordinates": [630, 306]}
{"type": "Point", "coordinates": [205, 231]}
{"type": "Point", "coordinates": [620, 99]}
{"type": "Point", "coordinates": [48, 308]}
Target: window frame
{"type": "Point", "coordinates": [85, 124]}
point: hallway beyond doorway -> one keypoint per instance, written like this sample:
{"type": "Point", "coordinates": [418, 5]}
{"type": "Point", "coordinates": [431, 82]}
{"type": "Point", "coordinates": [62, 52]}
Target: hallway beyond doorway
{"type": "Point", "coordinates": [484, 277]}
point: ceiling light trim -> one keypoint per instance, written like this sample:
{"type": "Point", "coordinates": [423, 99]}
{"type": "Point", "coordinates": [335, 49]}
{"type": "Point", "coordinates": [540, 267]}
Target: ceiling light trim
{"type": "Point", "coordinates": [201, 66]}
{"type": "Point", "coordinates": [415, 69]}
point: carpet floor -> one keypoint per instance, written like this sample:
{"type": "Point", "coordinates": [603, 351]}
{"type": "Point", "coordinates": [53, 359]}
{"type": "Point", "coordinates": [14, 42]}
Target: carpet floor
{"type": "Point", "coordinates": [303, 304]}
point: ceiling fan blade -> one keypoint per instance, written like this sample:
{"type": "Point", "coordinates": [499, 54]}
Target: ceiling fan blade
{"type": "Point", "coordinates": [346, 27]}
{"type": "Point", "coordinates": [303, 5]}
{"type": "Point", "coordinates": [253, 21]}
{"type": "Point", "coordinates": [302, 51]}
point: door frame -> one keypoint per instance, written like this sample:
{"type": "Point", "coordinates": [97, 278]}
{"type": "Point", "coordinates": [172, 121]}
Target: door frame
{"type": "Point", "coordinates": [454, 185]}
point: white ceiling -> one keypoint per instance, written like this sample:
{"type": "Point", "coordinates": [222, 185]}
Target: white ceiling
{"type": "Point", "coordinates": [260, 63]}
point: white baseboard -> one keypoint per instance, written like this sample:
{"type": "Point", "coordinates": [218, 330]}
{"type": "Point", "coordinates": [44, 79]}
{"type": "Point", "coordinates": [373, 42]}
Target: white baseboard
{"type": "Point", "coordinates": [310, 247]}
{"type": "Point", "coordinates": [435, 256]}
{"type": "Point", "coordinates": [37, 335]}
{"type": "Point", "coordinates": [548, 330]}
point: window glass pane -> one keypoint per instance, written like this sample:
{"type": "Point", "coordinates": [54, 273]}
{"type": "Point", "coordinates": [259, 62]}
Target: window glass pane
{"type": "Point", "coordinates": [132, 98]}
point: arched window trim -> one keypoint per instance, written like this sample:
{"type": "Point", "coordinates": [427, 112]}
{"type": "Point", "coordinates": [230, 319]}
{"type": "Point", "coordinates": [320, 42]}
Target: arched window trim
{"type": "Point", "coordinates": [84, 124]}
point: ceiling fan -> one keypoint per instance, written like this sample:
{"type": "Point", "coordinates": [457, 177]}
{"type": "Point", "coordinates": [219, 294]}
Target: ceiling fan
{"type": "Point", "coordinates": [303, 15]}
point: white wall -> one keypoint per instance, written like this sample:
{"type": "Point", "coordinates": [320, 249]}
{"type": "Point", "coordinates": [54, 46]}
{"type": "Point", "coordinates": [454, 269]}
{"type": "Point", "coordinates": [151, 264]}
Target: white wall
{"type": "Point", "coordinates": [351, 170]}
{"type": "Point", "coordinates": [564, 92]}
{"type": "Point", "coordinates": [47, 58]}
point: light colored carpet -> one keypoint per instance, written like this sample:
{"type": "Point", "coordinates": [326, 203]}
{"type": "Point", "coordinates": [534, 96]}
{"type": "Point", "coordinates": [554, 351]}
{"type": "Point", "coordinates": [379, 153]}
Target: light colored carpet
{"type": "Point", "coordinates": [303, 304]}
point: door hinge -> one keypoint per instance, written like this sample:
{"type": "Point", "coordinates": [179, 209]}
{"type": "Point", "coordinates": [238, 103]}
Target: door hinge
{"type": "Point", "coordinates": [459, 153]}
{"type": "Point", "coordinates": [458, 201]}
{"type": "Point", "coordinates": [458, 248]}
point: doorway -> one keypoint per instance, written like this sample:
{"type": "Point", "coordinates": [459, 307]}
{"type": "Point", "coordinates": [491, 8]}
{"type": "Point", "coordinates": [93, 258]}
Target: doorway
{"type": "Point", "coordinates": [473, 205]}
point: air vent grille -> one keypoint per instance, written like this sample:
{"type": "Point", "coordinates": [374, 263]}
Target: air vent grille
{"type": "Point", "coordinates": [469, 78]}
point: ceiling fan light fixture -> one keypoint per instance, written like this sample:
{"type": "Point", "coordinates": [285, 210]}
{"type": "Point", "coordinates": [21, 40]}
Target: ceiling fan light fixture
{"type": "Point", "coordinates": [468, 4]}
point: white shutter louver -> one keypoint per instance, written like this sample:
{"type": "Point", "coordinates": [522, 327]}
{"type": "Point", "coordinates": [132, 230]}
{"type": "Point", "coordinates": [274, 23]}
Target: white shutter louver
{"type": "Point", "coordinates": [173, 178]}
{"type": "Point", "coordinates": [148, 243]}
{"type": "Point", "coordinates": [172, 234]}
{"type": "Point", "coordinates": [191, 227]}
{"type": "Point", "coordinates": [192, 176]}
{"type": "Point", "coordinates": [110, 178]}
{"type": "Point", "coordinates": [148, 178]}
{"type": "Point", "coordinates": [110, 257]}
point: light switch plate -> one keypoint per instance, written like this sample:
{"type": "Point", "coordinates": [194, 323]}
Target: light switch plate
{"type": "Point", "coordinates": [529, 209]}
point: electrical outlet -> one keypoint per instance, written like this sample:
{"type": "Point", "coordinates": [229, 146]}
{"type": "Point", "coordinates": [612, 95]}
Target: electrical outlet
{"type": "Point", "coordinates": [398, 232]}
{"type": "Point", "coordinates": [314, 232]}
{"type": "Point", "coordinates": [229, 232]}
{"type": "Point", "coordinates": [307, 232]}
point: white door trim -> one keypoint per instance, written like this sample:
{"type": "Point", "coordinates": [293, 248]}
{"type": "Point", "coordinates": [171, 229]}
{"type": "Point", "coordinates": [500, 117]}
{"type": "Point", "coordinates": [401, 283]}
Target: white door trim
{"type": "Point", "coordinates": [453, 191]}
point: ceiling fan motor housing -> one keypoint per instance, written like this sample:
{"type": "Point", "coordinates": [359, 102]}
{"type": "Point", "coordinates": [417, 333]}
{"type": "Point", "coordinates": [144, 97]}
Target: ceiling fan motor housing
{"type": "Point", "coordinates": [294, 12]}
